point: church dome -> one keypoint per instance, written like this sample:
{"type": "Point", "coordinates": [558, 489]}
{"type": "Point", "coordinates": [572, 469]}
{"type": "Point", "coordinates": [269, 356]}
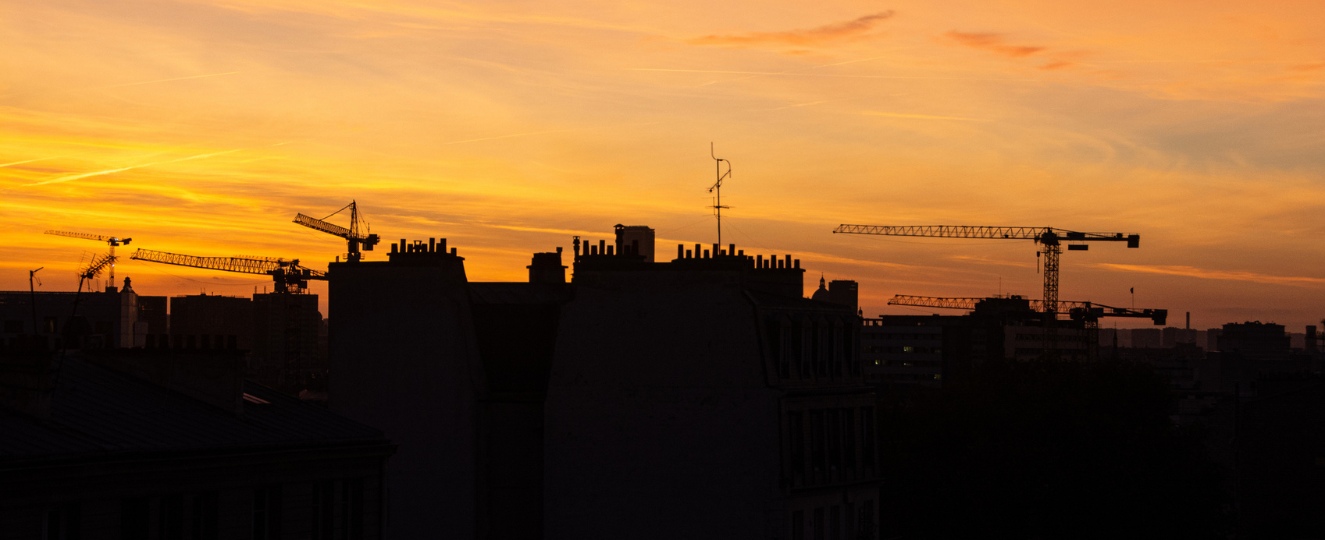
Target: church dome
{"type": "Point", "coordinates": [822, 293]}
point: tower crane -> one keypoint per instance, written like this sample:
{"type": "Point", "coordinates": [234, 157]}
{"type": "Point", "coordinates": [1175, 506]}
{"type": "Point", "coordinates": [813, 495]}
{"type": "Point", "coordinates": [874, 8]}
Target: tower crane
{"type": "Point", "coordinates": [1051, 247]}
{"type": "Point", "coordinates": [288, 275]}
{"type": "Point", "coordinates": [353, 236]}
{"type": "Point", "coordinates": [110, 240]}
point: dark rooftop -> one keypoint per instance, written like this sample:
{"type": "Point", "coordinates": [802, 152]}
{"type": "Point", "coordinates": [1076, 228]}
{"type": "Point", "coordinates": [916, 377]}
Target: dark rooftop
{"type": "Point", "coordinates": [98, 412]}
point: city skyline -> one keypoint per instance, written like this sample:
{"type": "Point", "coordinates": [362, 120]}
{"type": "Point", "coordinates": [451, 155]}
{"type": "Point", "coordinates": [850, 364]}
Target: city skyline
{"type": "Point", "coordinates": [203, 127]}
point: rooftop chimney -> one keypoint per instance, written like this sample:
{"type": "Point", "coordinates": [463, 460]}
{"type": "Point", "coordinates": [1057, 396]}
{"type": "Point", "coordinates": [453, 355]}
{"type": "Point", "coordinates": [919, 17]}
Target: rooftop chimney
{"type": "Point", "coordinates": [547, 268]}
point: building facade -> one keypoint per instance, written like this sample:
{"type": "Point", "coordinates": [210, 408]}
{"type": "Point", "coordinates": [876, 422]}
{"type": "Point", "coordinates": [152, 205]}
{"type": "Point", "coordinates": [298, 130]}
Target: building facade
{"type": "Point", "coordinates": [160, 444]}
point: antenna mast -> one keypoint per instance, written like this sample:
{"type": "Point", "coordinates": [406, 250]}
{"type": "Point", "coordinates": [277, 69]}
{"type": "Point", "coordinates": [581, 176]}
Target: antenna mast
{"type": "Point", "coordinates": [717, 204]}
{"type": "Point", "coordinates": [33, 299]}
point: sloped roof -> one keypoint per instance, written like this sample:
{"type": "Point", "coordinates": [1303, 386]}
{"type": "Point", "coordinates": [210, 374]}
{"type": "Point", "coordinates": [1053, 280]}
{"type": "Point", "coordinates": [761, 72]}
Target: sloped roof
{"type": "Point", "coordinates": [98, 411]}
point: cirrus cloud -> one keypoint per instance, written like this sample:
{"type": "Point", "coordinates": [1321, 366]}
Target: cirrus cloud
{"type": "Point", "coordinates": [851, 29]}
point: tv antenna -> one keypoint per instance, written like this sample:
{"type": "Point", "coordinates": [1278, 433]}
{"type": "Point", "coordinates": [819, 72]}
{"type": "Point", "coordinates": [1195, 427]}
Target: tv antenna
{"type": "Point", "coordinates": [717, 204]}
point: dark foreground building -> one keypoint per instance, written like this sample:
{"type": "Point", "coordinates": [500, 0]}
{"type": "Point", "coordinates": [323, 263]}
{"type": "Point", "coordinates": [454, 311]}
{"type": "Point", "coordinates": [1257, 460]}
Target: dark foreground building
{"type": "Point", "coordinates": [698, 398]}
{"type": "Point", "coordinates": [160, 444]}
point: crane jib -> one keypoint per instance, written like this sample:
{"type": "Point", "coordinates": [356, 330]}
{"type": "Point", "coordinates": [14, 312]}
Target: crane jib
{"type": "Point", "coordinates": [1045, 235]}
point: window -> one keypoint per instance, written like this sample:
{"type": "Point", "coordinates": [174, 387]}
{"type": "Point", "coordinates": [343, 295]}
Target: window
{"type": "Point", "coordinates": [172, 518]}
{"type": "Point", "coordinates": [850, 520]}
{"type": "Point", "coordinates": [866, 527]}
{"type": "Point", "coordinates": [351, 502]}
{"type": "Point", "coordinates": [62, 523]}
{"type": "Point", "coordinates": [835, 523]}
{"type": "Point", "coordinates": [134, 518]}
{"type": "Point", "coordinates": [324, 510]}
{"type": "Point", "coordinates": [821, 352]}
{"type": "Point", "coordinates": [849, 438]}
{"type": "Point", "coordinates": [14, 327]}
{"type": "Point", "coordinates": [798, 525]}
{"type": "Point", "coordinates": [49, 325]}
{"type": "Point", "coordinates": [783, 334]}
{"type": "Point", "coordinates": [267, 513]}
{"type": "Point", "coordinates": [817, 461]}
{"type": "Point", "coordinates": [806, 350]}
{"type": "Point", "coordinates": [204, 519]}
{"type": "Point", "coordinates": [836, 347]}
{"type": "Point", "coordinates": [819, 523]}
{"type": "Point", "coordinates": [867, 436]}
{"type": "Point", "coordinates": [797, 435]}
{"type": "Point", "coordinates": [834, 440]}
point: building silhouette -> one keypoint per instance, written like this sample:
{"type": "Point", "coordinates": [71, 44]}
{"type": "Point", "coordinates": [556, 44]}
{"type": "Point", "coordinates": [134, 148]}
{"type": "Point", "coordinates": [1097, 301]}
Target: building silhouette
{"type": "Point", "coordinates": [103, 319]}
{"type": "Point", "coordinates": [699, 397]}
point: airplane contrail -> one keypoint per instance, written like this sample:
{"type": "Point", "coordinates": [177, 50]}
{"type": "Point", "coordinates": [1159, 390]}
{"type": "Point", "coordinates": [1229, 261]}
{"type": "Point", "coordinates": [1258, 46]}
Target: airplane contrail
{"type": "Point", "coordinates": [168, 80]}
{"type": "Point", "coordinates": [32, 160]}
{"type": "Point", "coordinates": [73, 177]}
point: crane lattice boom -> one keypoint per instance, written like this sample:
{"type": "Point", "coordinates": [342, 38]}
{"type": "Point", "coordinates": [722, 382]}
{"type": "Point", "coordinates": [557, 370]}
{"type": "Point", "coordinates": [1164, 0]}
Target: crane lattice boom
{"type": "Point", "coordinates": [287, 274]}
{"type": "Point", "coordinates": [1039, 234]}
{"type": "Point", "coordinates": [329, 228]}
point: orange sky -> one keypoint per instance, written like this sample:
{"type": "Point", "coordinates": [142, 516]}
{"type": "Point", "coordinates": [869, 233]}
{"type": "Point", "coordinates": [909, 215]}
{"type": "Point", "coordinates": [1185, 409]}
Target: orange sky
{"type": "Point", "coordinates": [203, 126]}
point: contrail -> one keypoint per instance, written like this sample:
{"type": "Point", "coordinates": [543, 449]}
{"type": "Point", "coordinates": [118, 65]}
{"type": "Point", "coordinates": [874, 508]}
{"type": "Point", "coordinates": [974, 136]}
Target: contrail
{"type": "Point", "coordinates": [168, 80]}
{"type": "Point", "coordinates": [32, 160]}
{"type": "Point", "coordinates": [73, 177]}
{"type": "Point", "coordinates": [922, 116]}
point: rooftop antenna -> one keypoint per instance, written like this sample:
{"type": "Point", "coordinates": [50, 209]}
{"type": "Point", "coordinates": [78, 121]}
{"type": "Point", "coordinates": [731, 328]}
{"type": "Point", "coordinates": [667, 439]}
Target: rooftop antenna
{"type": "Point", "coordinates": [717, 204]}
{"type": "Point", "coordinates": [33, 292]}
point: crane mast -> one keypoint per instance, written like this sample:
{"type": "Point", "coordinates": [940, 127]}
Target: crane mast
{"type": "Point", "coordinates": [288, 275]}
{"type": "Point", "coordinates": [1050, 240]}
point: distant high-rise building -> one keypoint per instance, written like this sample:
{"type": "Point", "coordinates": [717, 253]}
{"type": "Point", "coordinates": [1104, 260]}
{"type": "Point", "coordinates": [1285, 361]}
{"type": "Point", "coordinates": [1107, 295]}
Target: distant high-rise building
{"type": "Point", "coordinates": [1212, 339]}
{"type": "Point", "coordinates": [153, 328]}
{"type": "Point", "coordinates": [1147, 338]}
{"type": "Point", "coordinates": [210, 321]}
{"type": "Point", "coordinates": [1255, 341]}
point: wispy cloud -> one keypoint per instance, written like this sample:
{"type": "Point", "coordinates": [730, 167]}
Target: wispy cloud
{"type": "Point", "coordinates": [1202, 273]}
{"type": "Point", "coordinates": [854, 28]}
{"type": "Point", "coordinates": [921, 116]}
{"type": "Point", "coordinates": [169, 80]}
{"type": "Point", "coordinates": [994, 43]}
{"type": "Point", "coordinates": [72, 177]}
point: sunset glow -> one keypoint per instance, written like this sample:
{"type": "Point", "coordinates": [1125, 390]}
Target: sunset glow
{"type": "Point", "coordinates": [204, 126]}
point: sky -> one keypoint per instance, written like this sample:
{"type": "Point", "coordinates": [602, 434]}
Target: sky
{"type": "Point", "coordinates": [203, 126]}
